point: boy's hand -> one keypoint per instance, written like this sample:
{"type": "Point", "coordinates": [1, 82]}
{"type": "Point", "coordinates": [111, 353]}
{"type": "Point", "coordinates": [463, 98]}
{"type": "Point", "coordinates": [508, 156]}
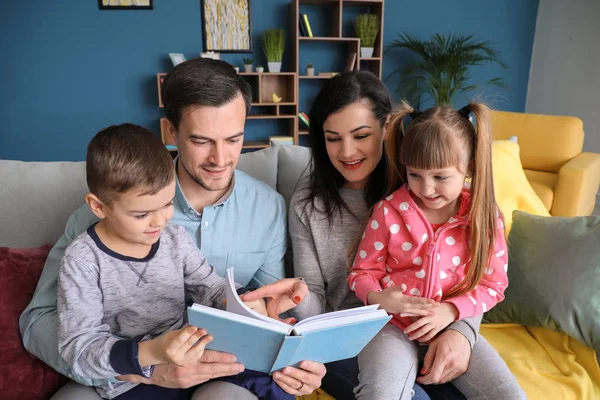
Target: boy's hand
{"type": "Point", "coordinates": [258, 305]}
{"type": "Point", "coordinates": [394, 301]}
{"type": "Point", "coordinates": [178, 347]}
{"type": "Point", "coordinates": [426, 328]}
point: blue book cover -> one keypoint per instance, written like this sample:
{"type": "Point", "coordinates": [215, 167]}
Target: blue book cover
{"type": "Point", "coordinates": [267, 345]}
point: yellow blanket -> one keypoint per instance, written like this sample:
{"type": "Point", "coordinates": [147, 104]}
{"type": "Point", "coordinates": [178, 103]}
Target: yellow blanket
{"type": "Point", "coordinates": [548, 365]}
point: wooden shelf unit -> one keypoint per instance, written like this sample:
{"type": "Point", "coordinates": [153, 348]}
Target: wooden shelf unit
{"type": "Point", "coordinates": [335, 35]}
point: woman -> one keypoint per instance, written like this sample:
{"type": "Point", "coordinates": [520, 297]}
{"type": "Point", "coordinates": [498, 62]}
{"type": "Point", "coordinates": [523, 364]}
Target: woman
{"type": "Point", "coordinates": [347, 130]}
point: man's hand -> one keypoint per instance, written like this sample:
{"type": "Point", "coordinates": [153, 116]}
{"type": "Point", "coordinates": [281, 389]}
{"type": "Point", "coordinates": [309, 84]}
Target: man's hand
{"type": "Point", "coordinates": [447, 358]}
{"type": "Point", "coordinates": [212, 364]}
{"type": "Point", "coordinates": [280, 296]}
{"type": "Point", "coordinates": [426, 328]}
{"type": "Point", "coordinates": [299, 382]}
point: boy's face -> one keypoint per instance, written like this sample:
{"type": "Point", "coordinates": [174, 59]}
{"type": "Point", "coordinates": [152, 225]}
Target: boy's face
{"type": "Point", "coordinates": [138, 219]}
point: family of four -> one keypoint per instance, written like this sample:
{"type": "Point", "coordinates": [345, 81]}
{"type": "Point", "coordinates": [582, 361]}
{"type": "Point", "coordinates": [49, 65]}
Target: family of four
{"type": "Point", "coordinates": [384, 218]}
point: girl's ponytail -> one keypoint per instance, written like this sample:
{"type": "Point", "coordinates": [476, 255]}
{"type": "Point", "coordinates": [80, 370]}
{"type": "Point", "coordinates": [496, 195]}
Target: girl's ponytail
{"type": "Point", "coordinates": [484, 210]}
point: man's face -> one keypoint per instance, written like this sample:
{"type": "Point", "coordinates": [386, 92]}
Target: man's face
{"type": "Point", "coordinates": [209, 141]}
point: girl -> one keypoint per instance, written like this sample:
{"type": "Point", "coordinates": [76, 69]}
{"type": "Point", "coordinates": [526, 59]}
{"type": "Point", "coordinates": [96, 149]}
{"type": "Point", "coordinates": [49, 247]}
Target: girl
{"type": "Point", "coordinates": [433, 238]}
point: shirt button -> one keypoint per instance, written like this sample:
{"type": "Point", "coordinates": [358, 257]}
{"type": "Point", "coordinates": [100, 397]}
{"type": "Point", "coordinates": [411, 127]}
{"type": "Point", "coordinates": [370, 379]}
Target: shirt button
{"type": "Point", "coordinates": [205, 223]}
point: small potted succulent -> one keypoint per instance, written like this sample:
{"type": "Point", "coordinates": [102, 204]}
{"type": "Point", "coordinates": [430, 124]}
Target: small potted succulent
{"type": "Point", "coordinates": [260, 69]}
{"type": "Point", "coordinates": [310, 70]}
{"type": "Point", "coordinates": [248, 64]}
{"type": "Point", "coordinates": [366, 27]}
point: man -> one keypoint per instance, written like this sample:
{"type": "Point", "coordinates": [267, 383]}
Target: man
{"type": "Point", "coordinates": [236, 221]}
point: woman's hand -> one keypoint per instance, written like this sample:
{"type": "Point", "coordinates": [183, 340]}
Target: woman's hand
{"type": "Point", "coordinates": [257, 305]}
{"type": "Point", "coordinates": [394, 301]}
{"type": "Point", "coordinates": [301, 381]}
{"type": "Point", "coordinates": [280, 296]}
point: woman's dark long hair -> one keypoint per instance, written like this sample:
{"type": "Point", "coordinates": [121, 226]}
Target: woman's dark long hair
{"type": "Point", "coordinates": [339, 92]}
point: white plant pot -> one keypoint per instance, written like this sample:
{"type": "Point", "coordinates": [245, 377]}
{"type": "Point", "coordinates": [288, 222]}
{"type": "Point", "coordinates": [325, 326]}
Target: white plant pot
{"type": "Point", "coordinates": [237, 70]}
{"type": "Point", "coordinates": [248, 67]}
{"type": "Point", "coordinates": [260, 70]}
{"type": "Point", "coordinates": [366, 52]}
{"type": "Point", "coordinates": [310, 71]}
{"type": "Point", "coordinates": [274, 66]}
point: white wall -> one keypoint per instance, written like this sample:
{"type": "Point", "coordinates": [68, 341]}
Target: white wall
{"type": "Point", "coordinates": [565, 65]}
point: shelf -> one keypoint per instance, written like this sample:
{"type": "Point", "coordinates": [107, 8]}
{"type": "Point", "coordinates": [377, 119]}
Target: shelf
{"type": "Point", "coordinates": [274, 104]}
{"type": "Point", "coordinates": [302, 132]}
{"type": "Point", "coordinates": [267, 116]}
{"type": "Point", "coordinates": [255, 144]}
{"type": "Point", "coordinates": [370, 59]}
{"type": "Point", "coordinates": [314, 77]}
{"type": "Point", "coordinates": [361, 2]}
{"type": "Point", "coordinates": [328, 39]}
{"type": "Point", "coordinates": [266, 73]}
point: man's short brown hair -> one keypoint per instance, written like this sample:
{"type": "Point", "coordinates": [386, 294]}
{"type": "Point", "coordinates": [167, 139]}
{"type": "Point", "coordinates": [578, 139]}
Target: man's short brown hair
{"type": "Point", "coordinates": [125, 157]}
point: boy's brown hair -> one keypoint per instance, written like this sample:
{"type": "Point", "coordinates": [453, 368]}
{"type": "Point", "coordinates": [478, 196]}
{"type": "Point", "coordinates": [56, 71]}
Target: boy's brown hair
{"type": "Point", "coordinates": [125, 157]}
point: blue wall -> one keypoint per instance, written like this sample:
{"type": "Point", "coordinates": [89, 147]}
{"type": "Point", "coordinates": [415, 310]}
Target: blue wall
{"type": "Point", "coordinates": [70, 69]}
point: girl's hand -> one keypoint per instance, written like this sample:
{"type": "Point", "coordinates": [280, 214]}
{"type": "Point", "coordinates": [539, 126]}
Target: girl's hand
{"type": "Point", "coordinates": [258, 305]}
{"type": "Point", "coordinates": [180, 347]}
{"type": "Point", "coordinates": [394, 301]}
{"type": "Point", "coordinates": [426, 328]}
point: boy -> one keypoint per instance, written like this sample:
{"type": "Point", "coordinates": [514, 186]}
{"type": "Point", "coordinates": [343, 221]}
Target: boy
{"type": "Point", "coordinates": [124, 283]}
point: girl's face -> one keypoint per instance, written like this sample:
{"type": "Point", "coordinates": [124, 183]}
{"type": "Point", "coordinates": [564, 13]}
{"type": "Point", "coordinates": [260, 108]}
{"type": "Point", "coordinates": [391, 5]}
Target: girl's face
{"type": "Point", "coordinates": [354, 142]}
{"type": "Point", "coordinates": [436, 189]}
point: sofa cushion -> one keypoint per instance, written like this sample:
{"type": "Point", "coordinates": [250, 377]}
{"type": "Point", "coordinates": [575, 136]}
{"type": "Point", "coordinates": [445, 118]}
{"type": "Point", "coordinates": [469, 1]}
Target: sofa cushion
{"type": "Point", "coordinates": [22, 376]}
{"type": "Point", "coordinates": [36, 200]}
{"type": "Point", "coordinates": [513, 191]}
{"type": "Point", "coordinates": [554, 274]}
{"type": "Point", "coordinates": [293, 164]}
{"type": "Point", "coordinates": [543, 184]}
{"type": "Point", "coordinates": [261, 164]}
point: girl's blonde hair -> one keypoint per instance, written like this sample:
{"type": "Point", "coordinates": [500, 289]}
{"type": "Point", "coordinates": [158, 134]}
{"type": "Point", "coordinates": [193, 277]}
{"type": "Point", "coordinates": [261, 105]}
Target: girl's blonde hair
{"type": "Point", "coordinates": [438, 138]}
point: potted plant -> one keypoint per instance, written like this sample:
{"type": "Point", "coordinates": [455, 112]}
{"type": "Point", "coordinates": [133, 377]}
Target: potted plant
{"type": "Point", "coordinates": [366, 27]}
{"type": "Point", "coordinates": [248, 64]}
{"type": "Point", "coordinates": [310, 70]}
{"type": "Point", "coordinates": [273, 45]}
{"type": "Point", "coordinates": [443, 68]}
{"type": "Point", "coordinates": [260, 68]}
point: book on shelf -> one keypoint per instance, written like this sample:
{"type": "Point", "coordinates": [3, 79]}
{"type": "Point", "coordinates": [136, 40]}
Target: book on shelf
{"type": "Point", "coordinates": [304, 118]}
{"type": "Point", "coordinates": [351, 62]}
{"type": "Point", "coordinates": [281, 139]}
{"type": "Point", "coordinates": [267, 345]}
{"type": "Point", "coordinates": [301, 26]}
{"type": "Point", "coordinates": [328, 74]}
{"type": "Point", "coordinates": [307, 25]}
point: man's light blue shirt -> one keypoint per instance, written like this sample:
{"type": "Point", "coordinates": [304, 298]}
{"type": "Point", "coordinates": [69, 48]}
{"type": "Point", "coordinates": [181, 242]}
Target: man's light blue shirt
{"type": "Point", "coordinates": [247, 231]}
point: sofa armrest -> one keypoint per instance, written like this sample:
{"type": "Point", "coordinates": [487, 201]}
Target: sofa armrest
{"type": "Point", "coordinates": [577, 185]}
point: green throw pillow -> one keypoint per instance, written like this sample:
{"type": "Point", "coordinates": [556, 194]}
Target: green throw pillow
{"type": "Point", "coordinates": [554, 276]}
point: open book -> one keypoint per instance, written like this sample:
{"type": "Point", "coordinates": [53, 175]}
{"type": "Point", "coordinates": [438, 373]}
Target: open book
{"type": "Point", "coordinates": [267, 345]}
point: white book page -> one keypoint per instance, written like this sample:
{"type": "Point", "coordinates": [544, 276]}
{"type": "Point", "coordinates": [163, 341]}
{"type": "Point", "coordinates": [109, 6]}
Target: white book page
{"type": "Point", "coordinates": [339, 314]}
{"type": "Point", "coordinates": [236, 305]}
{"type": "Point", "coordinates": [239, 318]}
{"type": "Point", "coordinates": [321, 324]}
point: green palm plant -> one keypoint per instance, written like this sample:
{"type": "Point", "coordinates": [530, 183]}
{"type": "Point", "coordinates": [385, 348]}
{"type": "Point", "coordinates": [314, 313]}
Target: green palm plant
{"type": "Point", "coordinates": [444, 66]}
{"type": "Point", "coordinates": [273, 44]}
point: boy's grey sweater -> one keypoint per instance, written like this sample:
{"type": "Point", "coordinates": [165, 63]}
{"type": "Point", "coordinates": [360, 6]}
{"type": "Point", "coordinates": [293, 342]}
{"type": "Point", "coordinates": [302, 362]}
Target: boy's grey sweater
{"type": "Point", "coordinates": [319, 250]}
{"type": "Point", "coordinates": [104, 297]}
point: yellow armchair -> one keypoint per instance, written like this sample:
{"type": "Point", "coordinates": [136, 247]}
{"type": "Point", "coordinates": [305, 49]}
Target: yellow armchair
{"type": "Point", "coordinates": [564, 178]}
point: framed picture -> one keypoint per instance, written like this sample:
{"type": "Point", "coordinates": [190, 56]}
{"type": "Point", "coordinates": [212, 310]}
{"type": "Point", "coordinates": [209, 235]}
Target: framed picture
{"type": "Point", "coordinates": [125, 4]}
{"type": "Point", "coordinates": [226, 26]}
{"type": "Point", "coordinates": [176, 58]}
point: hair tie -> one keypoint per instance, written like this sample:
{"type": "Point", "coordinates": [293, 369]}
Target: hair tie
{"type": "Point", "coordinates": [465, 111]}
{"type": "Point", "coordinates": [415, 114]}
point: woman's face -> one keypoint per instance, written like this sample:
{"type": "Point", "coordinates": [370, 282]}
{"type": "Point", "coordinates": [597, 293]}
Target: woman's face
{"type": "Point", "coordinates": [354, 142]}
